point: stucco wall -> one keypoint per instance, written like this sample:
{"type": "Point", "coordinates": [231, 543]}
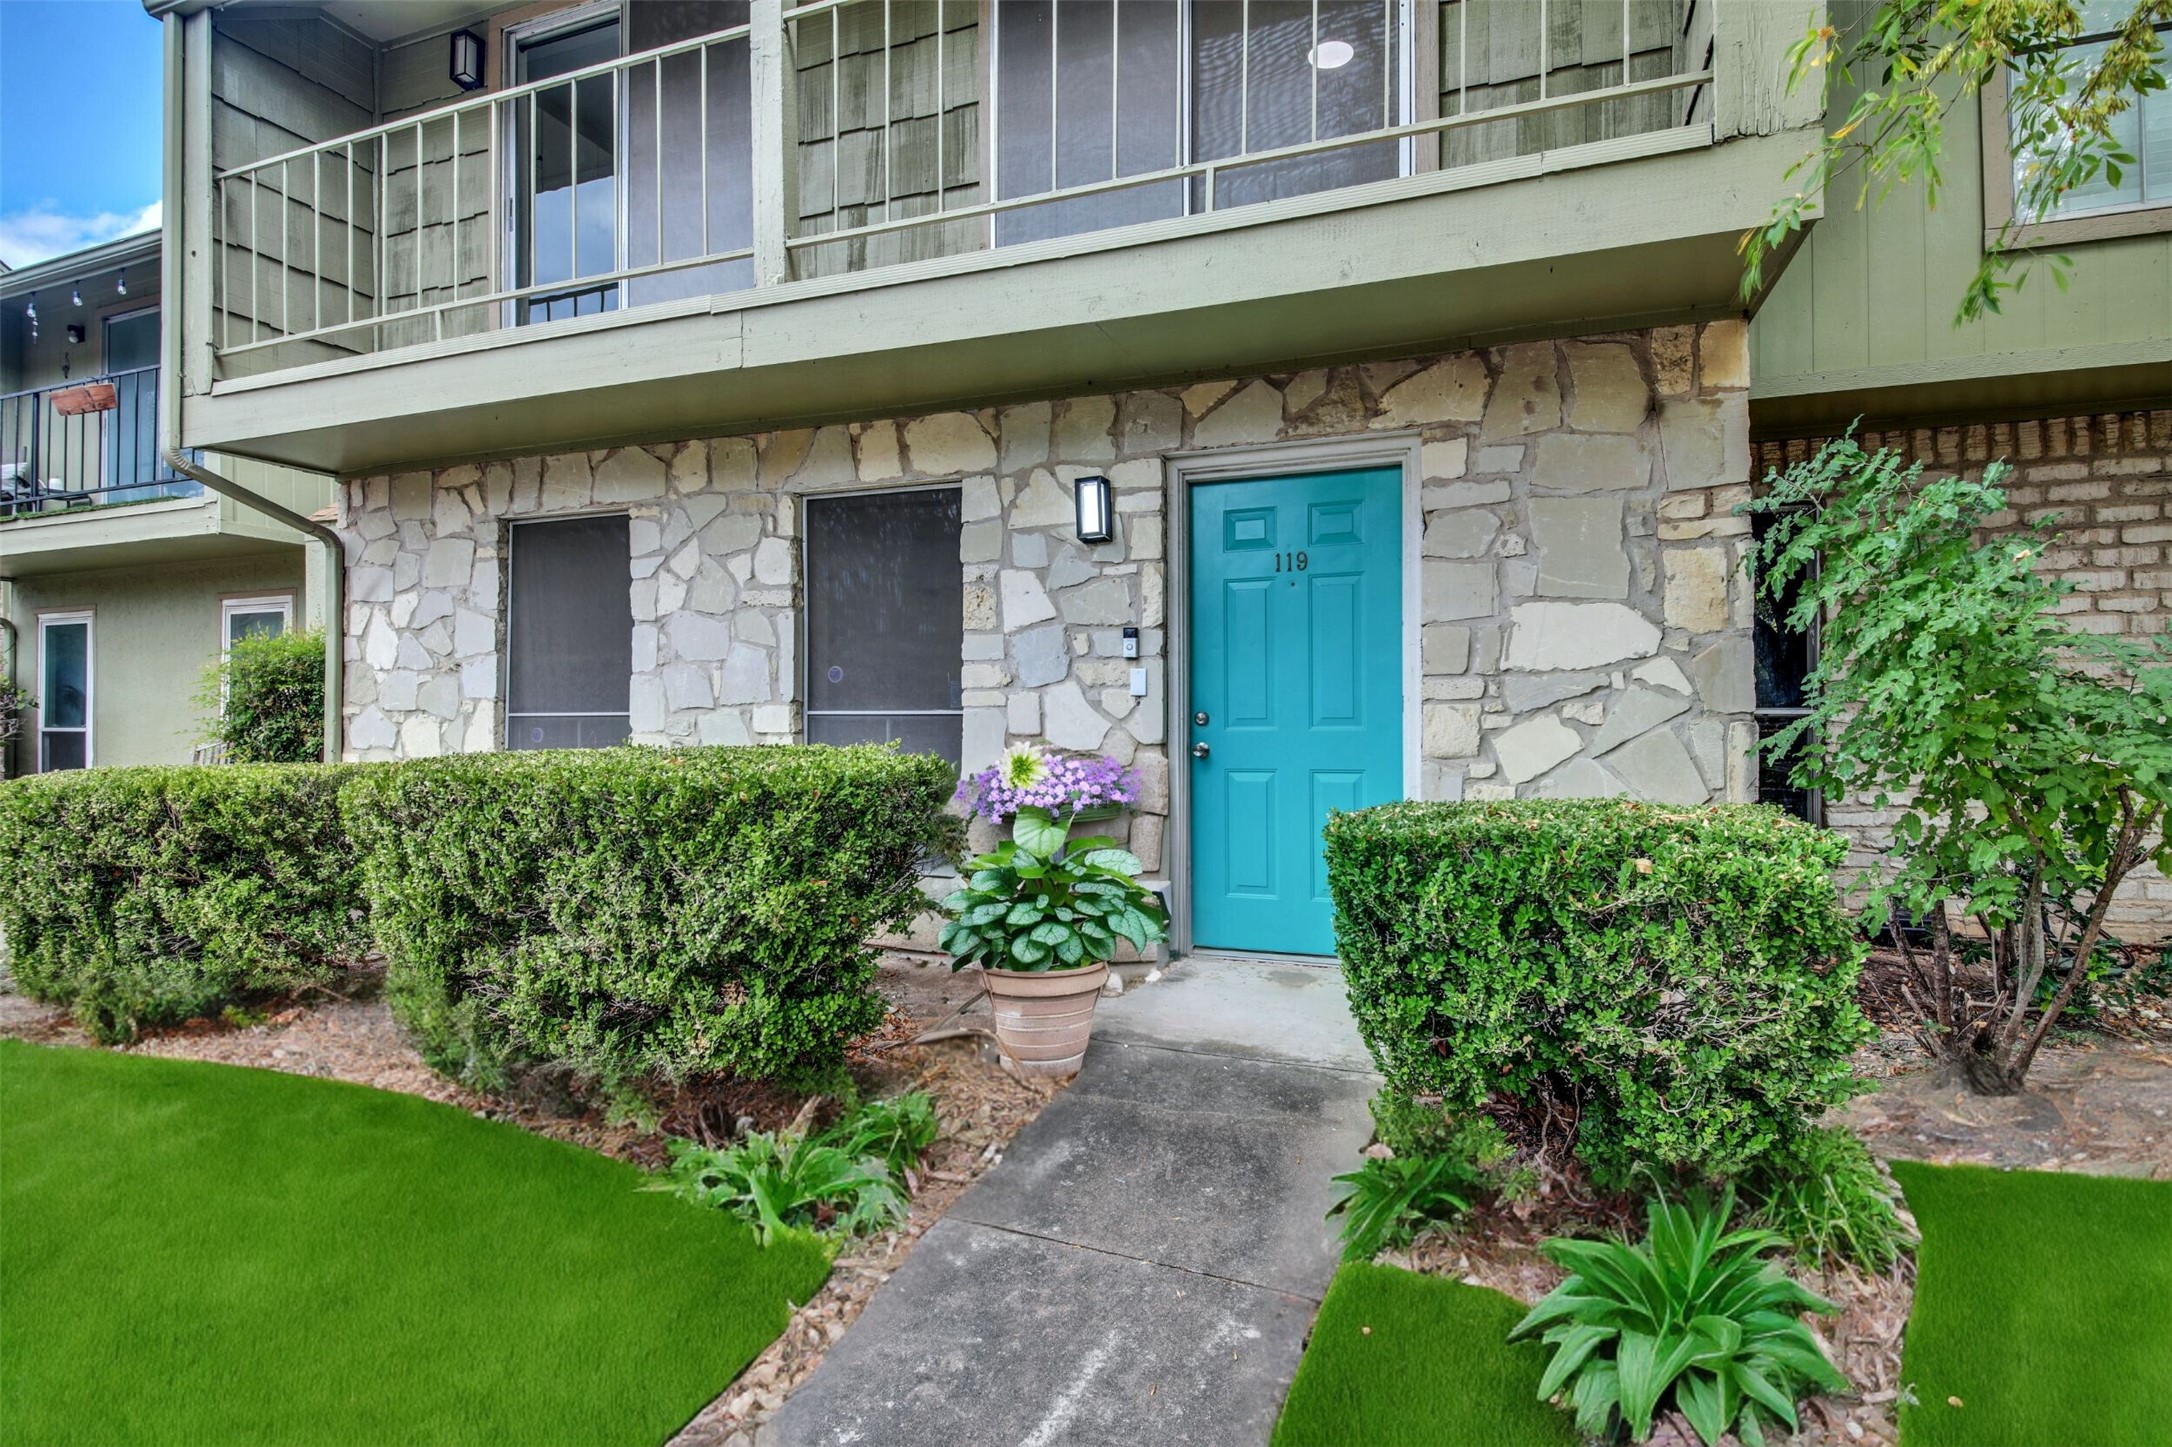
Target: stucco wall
{"type": "Point", "coordinates": [2108, 482]}
{"type": "Point", "coordinates": [153, 632]}
{"type": "Point", "coordinates": [1585, 622]}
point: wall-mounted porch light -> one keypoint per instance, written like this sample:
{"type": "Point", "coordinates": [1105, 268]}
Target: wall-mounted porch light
{"type": "Point", "coordinates": [1091, 498]}
{"type": "Point", "coordinates": [467, 60]}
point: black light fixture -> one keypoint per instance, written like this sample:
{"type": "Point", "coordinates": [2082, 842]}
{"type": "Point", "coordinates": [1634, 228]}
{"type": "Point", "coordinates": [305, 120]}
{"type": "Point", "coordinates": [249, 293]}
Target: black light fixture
{"type": "Point", "coordinates": [1091, 498]}
{"type": "Point", "coordinates": [467, 60]}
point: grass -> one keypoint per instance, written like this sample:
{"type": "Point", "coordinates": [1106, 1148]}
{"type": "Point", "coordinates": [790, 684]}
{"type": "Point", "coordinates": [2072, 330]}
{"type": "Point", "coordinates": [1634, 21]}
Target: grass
{"type": "Point", "coordinates": [207, 1255]}
{"type": "Point", "coordinates": [1403, 1360]}
{"type": "Point", "coordinates": [2044, 1304]}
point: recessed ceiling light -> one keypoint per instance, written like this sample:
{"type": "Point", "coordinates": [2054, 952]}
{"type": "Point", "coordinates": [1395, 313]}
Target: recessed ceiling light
{"type": "Point", "coordinates": [1331, 54]}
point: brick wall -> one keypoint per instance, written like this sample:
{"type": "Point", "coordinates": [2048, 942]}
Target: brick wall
{"type": "Point", "coordinates": [2108, 480]}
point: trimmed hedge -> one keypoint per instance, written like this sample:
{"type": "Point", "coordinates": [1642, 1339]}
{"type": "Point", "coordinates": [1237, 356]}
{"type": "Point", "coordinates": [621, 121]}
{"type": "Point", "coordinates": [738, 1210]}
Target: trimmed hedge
{"type": "Point", "coordinates": [634, 913]}
{"type": "Point", "coordinates": [265, 699]}
{"type": "Point", "coordinates": [146, 896]}
{"type": "Point", "coordinates": [1683, 980]}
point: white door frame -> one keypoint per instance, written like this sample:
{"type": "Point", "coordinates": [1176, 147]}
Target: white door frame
{"type": "Point", "coordinates": [1185, 470]}
{"type": "Point", "coordinates": [65, 617]}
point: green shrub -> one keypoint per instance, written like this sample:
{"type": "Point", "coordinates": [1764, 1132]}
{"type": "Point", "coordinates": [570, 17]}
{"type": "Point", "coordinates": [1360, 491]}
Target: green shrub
{"type": "Point", "coordinates": [1828, 1197]}
{"type": "Point", "coordinates": [1679, 982]}
{"type": "Point", "coordinates": [639, 913]}
{"type": "Point", "coordinates": [265, 699]}
{"type": "Point", "coordinates": [143, 897]}
{"type": "Point", "coordinates": [1689, 1317]}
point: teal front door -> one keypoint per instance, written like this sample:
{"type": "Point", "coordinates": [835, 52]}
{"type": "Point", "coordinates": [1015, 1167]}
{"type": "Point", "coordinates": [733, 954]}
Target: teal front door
{"type": "Point", "coordinates": [1296, 694]}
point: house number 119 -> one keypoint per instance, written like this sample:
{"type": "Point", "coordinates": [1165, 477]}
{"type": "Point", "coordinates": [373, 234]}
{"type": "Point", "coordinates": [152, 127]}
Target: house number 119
{"type": "Point", "coordinates": [1291, 562]}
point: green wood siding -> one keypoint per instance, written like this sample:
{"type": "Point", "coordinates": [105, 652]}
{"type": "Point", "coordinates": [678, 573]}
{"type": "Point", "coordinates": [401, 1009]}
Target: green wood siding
{"type": "Point", "coordinates": [846, 177]}
{"type": "Point", "coordinates": [1864, 313]}
{"type": "Point", "coordinates": [279, 82]}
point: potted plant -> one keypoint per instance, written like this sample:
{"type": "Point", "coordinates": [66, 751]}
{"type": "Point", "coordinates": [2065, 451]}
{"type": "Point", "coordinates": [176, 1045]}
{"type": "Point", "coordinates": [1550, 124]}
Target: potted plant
{"type": "Point", "coordinates": [1042, 913]}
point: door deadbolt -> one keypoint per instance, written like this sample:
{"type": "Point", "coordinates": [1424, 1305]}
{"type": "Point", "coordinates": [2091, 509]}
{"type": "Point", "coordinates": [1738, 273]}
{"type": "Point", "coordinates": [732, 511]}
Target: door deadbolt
{"type": "Point", "coordinates": [1200, 718]}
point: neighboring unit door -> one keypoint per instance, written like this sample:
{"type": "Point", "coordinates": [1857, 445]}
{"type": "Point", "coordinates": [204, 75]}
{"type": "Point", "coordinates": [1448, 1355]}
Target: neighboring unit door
{"type": "Point", "coordinates": [64, 692]}
{"type": "Point", "coordinates": [1296, 694]}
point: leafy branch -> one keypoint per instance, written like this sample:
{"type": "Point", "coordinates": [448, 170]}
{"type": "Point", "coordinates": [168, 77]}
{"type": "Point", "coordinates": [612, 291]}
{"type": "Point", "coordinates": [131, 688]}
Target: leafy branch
{"type": "Point", "coordinates": [1909, 63]}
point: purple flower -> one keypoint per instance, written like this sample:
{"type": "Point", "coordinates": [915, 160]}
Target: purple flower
{"type": "Point", "coordinates": [1031, 777]}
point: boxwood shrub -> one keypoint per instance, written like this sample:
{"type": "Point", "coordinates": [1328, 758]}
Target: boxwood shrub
{"type": "Point", "coordinates": [1679, 982]}
{"type": "Point", "coordinates": [145, 896]}
{"type": "Point", "coordinates": [635, 913]}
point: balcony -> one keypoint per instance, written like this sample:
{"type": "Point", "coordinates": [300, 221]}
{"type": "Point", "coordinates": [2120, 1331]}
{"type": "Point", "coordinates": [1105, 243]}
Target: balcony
{"type": "Point", "coordinates": [846, 206]}
{"type": "Point", "coordinates": [83, 485]}
{"type": "Point", "coordinates": [84, 445]}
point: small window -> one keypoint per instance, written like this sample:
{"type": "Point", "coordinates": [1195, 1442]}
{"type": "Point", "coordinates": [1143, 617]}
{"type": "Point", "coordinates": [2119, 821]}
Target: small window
{"type": "Point", "coordinates": [569, 634]}
{"type": "Point", "coordinates": [64, 692]}
{"type": "Point", "coordinates": [885, 621]}
{"type": "Point", "coordinates": [266, 617]}
{"type": "Point", "coordinates": [1784, 658]}
{"type": "Point", "coordinates": [2143, 131]}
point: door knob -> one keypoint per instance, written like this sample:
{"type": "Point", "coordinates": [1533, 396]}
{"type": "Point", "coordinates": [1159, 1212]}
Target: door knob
{"type": "Point", "coordinates": [1199, 750]}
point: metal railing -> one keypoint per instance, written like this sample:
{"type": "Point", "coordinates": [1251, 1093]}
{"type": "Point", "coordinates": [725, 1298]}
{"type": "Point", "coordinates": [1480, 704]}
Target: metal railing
{"type": "Point", "coordinates": [845, 135]}
{"type": "Point", "coordinates": [84, 444]}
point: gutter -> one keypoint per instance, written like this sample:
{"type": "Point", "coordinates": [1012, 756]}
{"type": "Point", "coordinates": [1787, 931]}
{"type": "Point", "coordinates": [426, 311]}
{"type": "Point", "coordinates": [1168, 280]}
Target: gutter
{"type": "Point", "coordinates": [169, 406]}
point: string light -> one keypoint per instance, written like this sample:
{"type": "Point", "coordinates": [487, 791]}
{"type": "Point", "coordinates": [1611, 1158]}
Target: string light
{"type": "Point", "coordinates": [77, 295]}
{"type": "Point", "coordinates": [124, 284]}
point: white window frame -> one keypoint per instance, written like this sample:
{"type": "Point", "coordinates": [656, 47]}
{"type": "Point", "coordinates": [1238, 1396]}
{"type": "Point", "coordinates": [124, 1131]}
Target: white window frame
{"type": "Point", "coordinates": [280, 603]}
{"type": "Point", "coordinates": [69, 618]}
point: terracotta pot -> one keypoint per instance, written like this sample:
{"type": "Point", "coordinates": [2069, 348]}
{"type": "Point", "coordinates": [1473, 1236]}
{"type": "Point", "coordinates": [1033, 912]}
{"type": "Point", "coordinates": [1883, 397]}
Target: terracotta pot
{"type": "Point", "coordinates": [1043, 1018]}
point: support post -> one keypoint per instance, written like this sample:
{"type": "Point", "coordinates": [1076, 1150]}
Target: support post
{"type": "Point", "coordinates": [776, 164]}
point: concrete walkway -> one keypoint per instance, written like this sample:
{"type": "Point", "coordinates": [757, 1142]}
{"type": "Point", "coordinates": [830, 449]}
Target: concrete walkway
{"type": "Point", "coordinates": [1143, 1265]}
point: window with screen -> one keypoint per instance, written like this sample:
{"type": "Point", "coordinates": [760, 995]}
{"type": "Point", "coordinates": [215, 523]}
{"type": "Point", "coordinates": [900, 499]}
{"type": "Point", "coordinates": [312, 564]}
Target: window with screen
{"type": "Point", "coordinates": [885, 620]}
{"type": "Point", "coordinates": [1783, 658]}
{"type": "Point", "coordinates": [2143, 130]}
{"type": "Point", "coordinates": [568, 634]}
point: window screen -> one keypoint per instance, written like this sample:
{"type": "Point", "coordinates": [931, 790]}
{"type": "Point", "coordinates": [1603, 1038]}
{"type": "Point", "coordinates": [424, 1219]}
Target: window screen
{"type": "Point", "coordinates": [569, 634]}
{"type": "Point", "coordinates": [885, 621]}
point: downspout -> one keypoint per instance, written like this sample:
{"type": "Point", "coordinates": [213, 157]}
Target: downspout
{"type": "Point", "coordinates": [171, 250]}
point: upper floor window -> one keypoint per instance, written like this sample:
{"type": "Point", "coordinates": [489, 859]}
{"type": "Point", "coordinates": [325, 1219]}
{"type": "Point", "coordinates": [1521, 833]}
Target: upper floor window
{"type": "Point", "coordinates": [2143, 131]}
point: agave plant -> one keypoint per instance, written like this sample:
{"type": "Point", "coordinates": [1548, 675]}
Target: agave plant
{"type": "Point", "coordinates": [1692, 1315]}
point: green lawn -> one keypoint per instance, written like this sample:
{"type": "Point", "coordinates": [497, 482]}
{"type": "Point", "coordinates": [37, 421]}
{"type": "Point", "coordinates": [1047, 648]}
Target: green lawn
{"type": "Point", "coordinates": [1433, 1371]}
{"type": "Point", "coordinates": [205, 1255]}
{"type": "Point", "coordinates": [2044, 1303]}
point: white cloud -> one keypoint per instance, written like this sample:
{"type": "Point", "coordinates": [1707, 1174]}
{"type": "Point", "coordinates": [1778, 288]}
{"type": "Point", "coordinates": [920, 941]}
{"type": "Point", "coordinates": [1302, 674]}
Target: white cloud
{"type": "Point", "coordinates": [44, 230]}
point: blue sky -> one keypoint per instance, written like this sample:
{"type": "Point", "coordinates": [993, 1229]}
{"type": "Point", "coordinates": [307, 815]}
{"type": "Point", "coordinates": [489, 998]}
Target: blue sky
{"type": "Point", "coordinates": [79, 131]}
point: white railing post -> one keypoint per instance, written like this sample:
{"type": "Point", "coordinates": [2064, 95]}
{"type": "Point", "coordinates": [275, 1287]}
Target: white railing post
{"type": "Point", "coordinates": [775, 163]}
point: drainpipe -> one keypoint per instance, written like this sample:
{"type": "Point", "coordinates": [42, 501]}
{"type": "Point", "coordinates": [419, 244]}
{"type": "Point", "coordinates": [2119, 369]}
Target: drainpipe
{"type": "Point", "coordinates": [335, 565]}
{"type": "Point", "coordinates": [169, 408]}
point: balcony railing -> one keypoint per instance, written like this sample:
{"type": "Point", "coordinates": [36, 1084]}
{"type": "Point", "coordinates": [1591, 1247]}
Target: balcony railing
{"type": "Point", "coordinates": [84, 444]}
{"type": "Point", "coordinates": [842, 136]}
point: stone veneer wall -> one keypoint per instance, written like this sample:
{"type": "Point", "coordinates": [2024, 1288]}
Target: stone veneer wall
{"type": "Point", "coordinates": [2108, 479]}
{"type": "Point", "coordinates": [1586, 625]}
